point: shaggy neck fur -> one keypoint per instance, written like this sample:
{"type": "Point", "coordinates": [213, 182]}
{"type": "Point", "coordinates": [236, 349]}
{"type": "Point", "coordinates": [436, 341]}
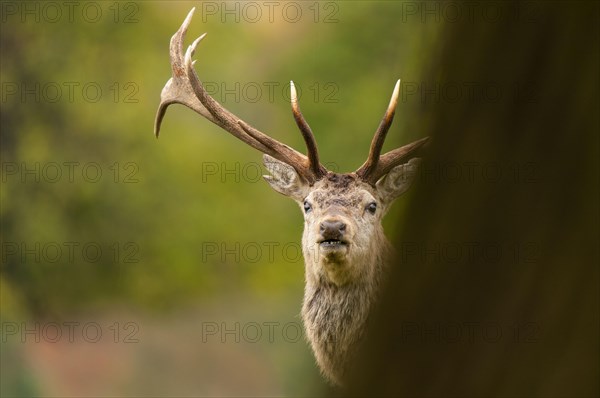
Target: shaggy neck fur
{"type": "Point", "coordinates": [335, 315]}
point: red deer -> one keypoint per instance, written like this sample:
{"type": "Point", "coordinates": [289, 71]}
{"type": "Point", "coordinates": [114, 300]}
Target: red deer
{"type": "Point", "coordinates": [343, 243]}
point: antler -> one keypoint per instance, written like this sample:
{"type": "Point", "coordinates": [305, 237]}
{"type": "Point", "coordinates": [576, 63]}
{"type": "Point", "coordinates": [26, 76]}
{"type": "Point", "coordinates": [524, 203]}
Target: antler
{"type": "Point", "coordinates": [378, 165]}
{"type": "Point", "coordinates": [185, 88]}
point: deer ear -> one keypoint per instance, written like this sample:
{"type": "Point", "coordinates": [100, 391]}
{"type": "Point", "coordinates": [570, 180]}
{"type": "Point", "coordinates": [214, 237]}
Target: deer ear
{"type": "Point", "coordinates": [284, 179]}
{"type": "Point", "coordinates": [397, 181]}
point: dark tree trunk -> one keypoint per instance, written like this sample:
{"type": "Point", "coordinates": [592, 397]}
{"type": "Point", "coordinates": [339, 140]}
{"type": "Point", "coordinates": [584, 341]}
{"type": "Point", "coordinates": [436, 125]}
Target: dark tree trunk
{"type": "Point", "coordinates": [496, 287]}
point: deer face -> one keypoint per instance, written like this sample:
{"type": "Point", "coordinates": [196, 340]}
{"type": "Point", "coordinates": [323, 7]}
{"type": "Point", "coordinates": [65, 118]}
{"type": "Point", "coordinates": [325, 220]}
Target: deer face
{"type": "Point", "coordinates": [342, 217]}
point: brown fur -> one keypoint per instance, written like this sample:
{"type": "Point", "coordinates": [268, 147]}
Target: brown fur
{"type": "Point", "coordinates": [335, 316]}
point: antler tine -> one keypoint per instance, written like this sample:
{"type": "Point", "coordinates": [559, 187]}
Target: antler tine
{"type": "Point", "coordinates": [186, 88]}
{"type": "Point", "coordinates": [309, 138]}
{"type": "Point", "coordinates": [379, 137]}
{"type": "Point", "coordinates": [378, 165]}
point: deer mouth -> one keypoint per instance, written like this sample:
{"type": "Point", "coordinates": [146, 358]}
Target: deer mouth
{"type": "Point", "coordinates": [332, 244]}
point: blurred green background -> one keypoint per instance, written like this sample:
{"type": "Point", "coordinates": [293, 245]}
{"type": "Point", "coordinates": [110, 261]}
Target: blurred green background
{"type": "Point", "coordinates": [158, 242]}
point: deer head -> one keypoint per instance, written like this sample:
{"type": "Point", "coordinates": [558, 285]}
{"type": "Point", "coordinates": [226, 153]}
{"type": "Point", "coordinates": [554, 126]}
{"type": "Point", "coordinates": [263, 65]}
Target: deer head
{"type": "Point", "coordinates": [343, 242]}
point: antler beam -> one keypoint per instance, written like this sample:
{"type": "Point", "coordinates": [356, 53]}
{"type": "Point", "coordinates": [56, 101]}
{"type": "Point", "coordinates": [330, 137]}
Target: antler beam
{"type": "Point", "coordinates": [185, 88]}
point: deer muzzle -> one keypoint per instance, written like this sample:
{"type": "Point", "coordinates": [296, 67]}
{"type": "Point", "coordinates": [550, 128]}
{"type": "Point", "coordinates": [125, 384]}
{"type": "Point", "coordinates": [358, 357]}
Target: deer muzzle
{"type": "Point", "coordinates": [332, 233]}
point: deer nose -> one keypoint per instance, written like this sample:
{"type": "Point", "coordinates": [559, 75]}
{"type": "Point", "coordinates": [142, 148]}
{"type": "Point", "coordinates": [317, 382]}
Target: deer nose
{"type": "Point", "coordinates": [332, 229]}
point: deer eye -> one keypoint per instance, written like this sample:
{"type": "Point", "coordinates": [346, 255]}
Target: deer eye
{"type": "Point", "coordinates": [371, 207]}
{"type": "Point", "coordinates": [307, 206]}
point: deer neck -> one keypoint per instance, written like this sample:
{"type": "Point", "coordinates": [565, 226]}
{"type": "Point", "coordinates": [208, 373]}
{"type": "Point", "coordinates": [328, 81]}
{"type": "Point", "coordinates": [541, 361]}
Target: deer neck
{"type": "Point", "coordinates": [335, 315]}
